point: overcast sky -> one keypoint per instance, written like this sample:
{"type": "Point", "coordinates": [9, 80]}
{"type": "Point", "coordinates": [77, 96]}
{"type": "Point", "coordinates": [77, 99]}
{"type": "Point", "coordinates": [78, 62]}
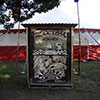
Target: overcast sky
{"type": "Point", "coordinates": [88, 10]}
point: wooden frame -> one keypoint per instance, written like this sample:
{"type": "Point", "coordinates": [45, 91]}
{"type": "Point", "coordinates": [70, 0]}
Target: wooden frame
{"type": "Point", "coordinates": [30, 80]}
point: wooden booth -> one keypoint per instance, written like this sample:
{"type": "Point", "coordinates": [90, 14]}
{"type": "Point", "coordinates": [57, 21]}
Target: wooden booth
{"type": "Point", "coordinates": [49, 55]}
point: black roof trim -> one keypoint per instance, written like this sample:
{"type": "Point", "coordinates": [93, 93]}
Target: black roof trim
{"type": "Point", "coordinates": [50, 24]}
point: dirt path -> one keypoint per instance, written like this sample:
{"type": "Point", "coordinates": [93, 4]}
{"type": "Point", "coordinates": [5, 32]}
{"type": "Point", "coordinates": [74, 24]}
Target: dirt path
{"type": "Point", "coordinates": [13, 94]}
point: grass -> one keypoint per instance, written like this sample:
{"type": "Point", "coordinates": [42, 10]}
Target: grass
{"type": "Point", "coordinates": [89, 80]}
{"type": "Point", "coordinates": [89, 77]}
{"type": "Point", "coordinates": [10, 77]}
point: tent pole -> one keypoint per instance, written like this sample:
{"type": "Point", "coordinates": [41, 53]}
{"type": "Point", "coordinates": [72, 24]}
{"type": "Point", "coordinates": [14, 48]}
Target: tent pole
{"type": "Point", "coordinates": [79, 61]}
{"type": "Point", "coordinates": [17, 46]}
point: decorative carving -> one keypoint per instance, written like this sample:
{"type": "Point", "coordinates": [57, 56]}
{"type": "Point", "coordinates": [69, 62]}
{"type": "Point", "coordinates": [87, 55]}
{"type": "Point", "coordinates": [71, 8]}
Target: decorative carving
{"type": "Point", "coordinates": [50, 54]}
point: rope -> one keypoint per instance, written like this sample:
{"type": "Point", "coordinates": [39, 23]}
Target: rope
{"type": "Point", "coordinates": [92, 37]}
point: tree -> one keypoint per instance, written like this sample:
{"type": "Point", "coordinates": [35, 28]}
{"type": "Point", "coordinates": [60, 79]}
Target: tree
{"type": "Point", "coordinates": [12, 11]}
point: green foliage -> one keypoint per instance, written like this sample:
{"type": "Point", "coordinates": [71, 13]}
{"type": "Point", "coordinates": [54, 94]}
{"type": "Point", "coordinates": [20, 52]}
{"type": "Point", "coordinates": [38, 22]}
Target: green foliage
{"type": "Point", "coordinates": [20, 10]}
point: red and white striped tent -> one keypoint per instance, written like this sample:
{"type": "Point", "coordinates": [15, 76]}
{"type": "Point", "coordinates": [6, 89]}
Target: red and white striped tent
{"type": "Point", "coordinates": [90, 49]}
{"type": "Point", "coordinates": [8, 45]}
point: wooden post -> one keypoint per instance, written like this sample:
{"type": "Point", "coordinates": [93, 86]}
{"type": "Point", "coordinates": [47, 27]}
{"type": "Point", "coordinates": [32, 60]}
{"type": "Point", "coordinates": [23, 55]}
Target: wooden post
{"type": "Point", "coordinates": [27, 50]}
{"type": "Point", "coordinates": [18, 37]}
{"type": "Point", "coordinates": [71, 55]}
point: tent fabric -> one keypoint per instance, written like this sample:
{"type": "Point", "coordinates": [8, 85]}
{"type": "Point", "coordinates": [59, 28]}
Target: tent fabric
{"type": "Point", "coordinates": [94, 52]}
{"type": "Point", "coordinates": [51, 17]}
{"type": "Point", "coordinates": [11, 39]}
{"type": "Point", "coordinates": [14, 31]}
{"type": "Point", "coordinates": [8, 45]}
{"type": "Point", "coordinates": [83, 53]}
{"type": "Point", "coordinates": [8, 53]}
{"type": "Point", "coordinates": [85, 37]}
{"type": "Point", "coordinates": [91, 52]}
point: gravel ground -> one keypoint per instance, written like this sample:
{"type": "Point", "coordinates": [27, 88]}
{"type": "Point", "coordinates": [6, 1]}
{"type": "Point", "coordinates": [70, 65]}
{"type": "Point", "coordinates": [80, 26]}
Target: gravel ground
{"type": "Point", "coordinates": [48, 94]}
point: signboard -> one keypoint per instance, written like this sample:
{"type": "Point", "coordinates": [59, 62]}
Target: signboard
{"type": "Point", "coordinates": [50, 54]}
